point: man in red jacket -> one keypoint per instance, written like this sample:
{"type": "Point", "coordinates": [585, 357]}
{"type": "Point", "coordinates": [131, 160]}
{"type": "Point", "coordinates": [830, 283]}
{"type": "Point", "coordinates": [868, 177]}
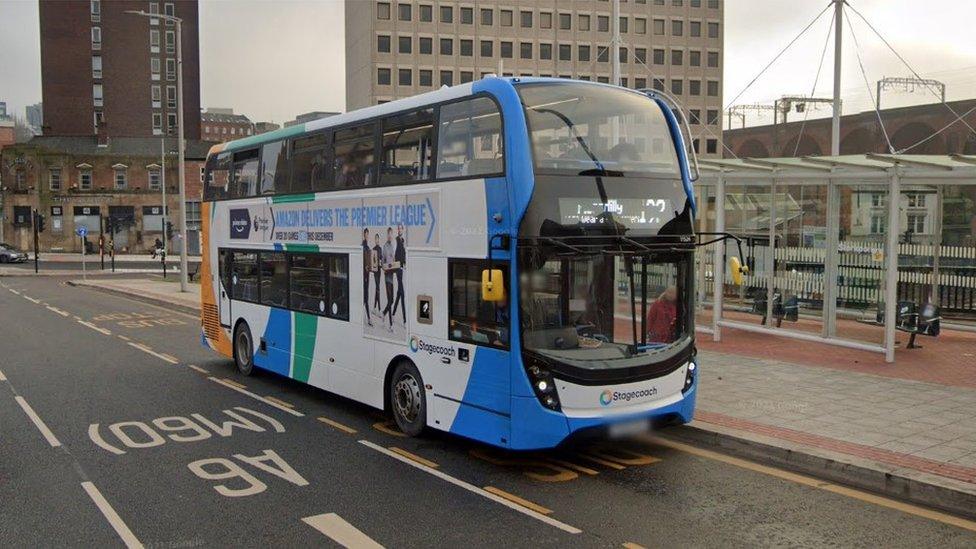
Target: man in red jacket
{"type": "Point", "coordinates": [662, 317]}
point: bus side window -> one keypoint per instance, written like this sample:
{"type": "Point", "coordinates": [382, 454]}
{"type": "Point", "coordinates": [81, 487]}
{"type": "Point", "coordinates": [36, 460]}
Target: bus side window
{"type": "Point", "coordinates": [309, 164]}
{"type": "Point", "coordinates": [354, 162]}
{"type": "Point", "coordinates": [470, 139]}
{"type": "Point", "coordinates": [217, 177]}
{"type": "Point", "coordinates": [472, 319]}
{"type": "Point", "coordinates": [274, 168]}
{"type": "Point", "coordinates": [244, 174]}
{"type": "Point", "coordinates": [407, 147]}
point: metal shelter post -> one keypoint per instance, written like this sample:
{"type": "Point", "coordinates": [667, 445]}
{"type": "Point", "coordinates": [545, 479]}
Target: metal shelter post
{"type": "Point", "coordinates": [891, 264]}
{"type": "Point", "coordinates": [831, 260]}
{"type": "Point", "coordinates": [770, 263]}
{"type": "Point", "coordinates": [718, 260]}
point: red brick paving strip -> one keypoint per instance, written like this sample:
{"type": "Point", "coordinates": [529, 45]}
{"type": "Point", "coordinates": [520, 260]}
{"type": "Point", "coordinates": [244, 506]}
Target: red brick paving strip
{"type": "Point", "coordinates": [948, 470]}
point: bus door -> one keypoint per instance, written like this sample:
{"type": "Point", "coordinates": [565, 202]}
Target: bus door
{"type": "Point", "coordinates": [223, 288]}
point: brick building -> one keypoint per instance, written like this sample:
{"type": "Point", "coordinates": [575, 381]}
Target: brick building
{"type": "Point", "coordinates": [113, 74]}
{"type": "Point", "coordinates": [75, 181]}
{"type": "Point", "coordinates": [219, 125]}
{"type": "Point", "coordinates": [860, 133]}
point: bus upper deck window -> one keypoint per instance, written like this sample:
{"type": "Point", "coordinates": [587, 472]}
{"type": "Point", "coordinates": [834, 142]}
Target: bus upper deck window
{"type": "Point", "coordinates": [354, 162]}
{"type": "Point", "coordinates": [274, 168]}
{"type": "Point", "coordinates": [244, 174]}
{"type": "Point", "coordinates": [217, 177]}
{"type": "Point", "coordinates": [470, 139]}
{"type": "Point", "coordinates": [407, 142]}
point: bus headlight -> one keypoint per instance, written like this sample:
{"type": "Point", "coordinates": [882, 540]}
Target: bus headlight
{"type": "Point", "coordinates": [542, 383]}
{"type": "Point", "coordinates": [690, 376]}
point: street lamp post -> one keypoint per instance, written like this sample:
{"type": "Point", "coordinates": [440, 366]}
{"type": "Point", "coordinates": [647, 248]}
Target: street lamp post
{"type": "Point", "coordinates": [179, 133]}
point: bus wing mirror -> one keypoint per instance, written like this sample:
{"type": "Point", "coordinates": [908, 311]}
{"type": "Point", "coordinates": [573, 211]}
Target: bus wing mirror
{"type": "Point", "coordinates": [492, 285]}
{"type": "Point", "coordinates": [737, 270]}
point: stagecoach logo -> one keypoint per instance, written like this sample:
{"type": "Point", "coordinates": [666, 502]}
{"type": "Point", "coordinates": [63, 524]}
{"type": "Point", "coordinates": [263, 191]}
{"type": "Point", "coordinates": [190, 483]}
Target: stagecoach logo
{"type": "Point", "coordinates": [240, 223]}
{"type": "Point", "coordinates": [419, 345]}
{"type": "Point", "coordinates": [609, 396]}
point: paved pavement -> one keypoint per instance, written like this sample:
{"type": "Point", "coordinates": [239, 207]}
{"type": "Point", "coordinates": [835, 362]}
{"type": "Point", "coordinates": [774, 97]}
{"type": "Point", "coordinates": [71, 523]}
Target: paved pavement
{"type": "Point", "coordinates": [118, 425]}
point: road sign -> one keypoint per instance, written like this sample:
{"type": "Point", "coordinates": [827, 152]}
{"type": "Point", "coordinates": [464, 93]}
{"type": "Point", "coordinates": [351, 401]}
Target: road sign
{"type": "Point", "coordinates": [82, 231]}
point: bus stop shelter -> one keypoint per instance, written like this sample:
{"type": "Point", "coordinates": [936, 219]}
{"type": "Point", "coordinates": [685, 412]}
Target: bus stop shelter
{"type": "Point", "coordinates": [836, 244]}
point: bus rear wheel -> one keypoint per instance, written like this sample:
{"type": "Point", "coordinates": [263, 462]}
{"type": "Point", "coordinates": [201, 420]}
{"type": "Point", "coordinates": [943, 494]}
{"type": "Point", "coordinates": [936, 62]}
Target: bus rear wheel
{"type": "Point", "coordinates": [243, 349]}
{"type": "Point", "coordinates": [408, 400]}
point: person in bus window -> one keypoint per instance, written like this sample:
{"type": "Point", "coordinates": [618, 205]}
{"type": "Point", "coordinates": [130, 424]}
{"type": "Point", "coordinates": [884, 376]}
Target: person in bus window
{"type": "Point", "coordinates": [400, 256]}
{"type": "Point", "coordinates": [662, 316]}
{"type": "Point", "coordinates": [389, 257]}
{"type": "Point", "coordinates": [377, 258]}
{"type": "Point", "coordinates": [367, 257]}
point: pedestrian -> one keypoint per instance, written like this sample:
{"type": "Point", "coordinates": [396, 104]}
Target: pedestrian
{"type": "Point", "coordinates": [157, 248]}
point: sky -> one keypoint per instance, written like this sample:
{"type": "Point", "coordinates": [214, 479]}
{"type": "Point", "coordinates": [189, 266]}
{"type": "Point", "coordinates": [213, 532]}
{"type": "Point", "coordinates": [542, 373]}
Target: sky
{"type": "Point", "coordinates": [271, 60]}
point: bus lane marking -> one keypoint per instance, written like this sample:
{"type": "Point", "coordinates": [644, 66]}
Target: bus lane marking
{"type": "Point", "coordinates": [532, 468]}
{"type": "Point", "coordinates": [337, 425]}
{"type": "Point", "coordinates": [387, 427]}
{"type": "Point", "coordinates": [2, 377]}
{"type": "Point", "coordinates": [111, 516]}
{"type": "Point", "coordinates": [147, 350]}
{"type": "Point", "coordinates": [58, 311]}
{"type": "Point", "coordinates": [257, 397]}
{"type": "Point", "coordinates": [199, 369]}
{"type": "Point", "coordinates": [279, 401]}
{"type": "Point", "coordinates": [475, 490]}
{"type": "Point", "coordinates": [268, 461]}
{"type": "Point", "coordinates": [31, 299]}
{"type": "Point", "coordinates": [96, 328]}
{"type": "Point", "coordinates": [14, 291]}
{"type": "Point", "coordinates": [338, 530]}
{"type": "Point", "coordinates": [521, 501]}
{"type": "Point", "coordinates": [38, 422]}
{"type": "Point", "coordinates": [415, 457]}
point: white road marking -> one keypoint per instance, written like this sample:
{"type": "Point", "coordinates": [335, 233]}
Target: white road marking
{"type": "Point", "coordinates": [96, 328]}
{"type": "Point", "coordinates": [31, 299]}
{"type": "Point", "coordinates": [474, 489]}
{"type": "Point", "coordinates": [199, 369]}
{"type": "Point", "coordinates": [257, 397]}
{"type": "Point", "coordinates": [14, 291]}
{"type": "Point", "coordinates": [341, 532]}
{"type": "Point", "coordinates": [38, 422]}
{"type": "Point", "coordinates": [147, 350]}
{"type": "Point", "coordinates": [111, 516]}
{"type": "Point", "coordinates": [56, 310]}
{"type": "Point", "coordinates": [2, 377]}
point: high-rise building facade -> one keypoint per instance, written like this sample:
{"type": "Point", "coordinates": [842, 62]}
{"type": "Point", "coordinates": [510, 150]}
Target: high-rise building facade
{"type": "Point", "coordinates": [397, 49]}
{"type": "Point", "coordinates": [110, 73]}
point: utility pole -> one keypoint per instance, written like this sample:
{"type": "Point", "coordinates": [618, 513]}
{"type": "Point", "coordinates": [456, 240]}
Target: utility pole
{"type": "Point", "coordinates": [838, 51]}
{"type": "Point", "coordinates": [615, 43]}
{"type": "Point", "coordinates": [162, 162]}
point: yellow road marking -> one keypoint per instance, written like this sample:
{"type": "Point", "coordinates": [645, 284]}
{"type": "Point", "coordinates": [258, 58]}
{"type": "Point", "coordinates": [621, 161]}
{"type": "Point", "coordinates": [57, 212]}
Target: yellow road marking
{"type": "Point", "coordinates": [414, 457]}
{"type": "Point", "coordinates": [199, 369]}
{"type": "Point", "coordinates": [384, 427]}
{"type": "Point", "coordinates": [632, 545]}
{"type": "Point", "coordinates": [820, 484]}
{"type": "Point", "coordinates": [532, 468]}
{"type": "Point", "coordinates": [601, 461]}
{"type": "Point", "coordinates": [517, 500]}
{"type": "Point", "coordinates": [624, 457]}
{"type": "Point", "coordinates": [235, 384]}
{"type": "Point", "coordinates": [337, 425]}
{"type": "Point", "coordinates": [279, 401]}
{"type": "Point", "coordinates": [575, 467]}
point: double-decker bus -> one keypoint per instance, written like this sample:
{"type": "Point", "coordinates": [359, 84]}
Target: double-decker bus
{"type": "Point", "coordinates": [510, 260]}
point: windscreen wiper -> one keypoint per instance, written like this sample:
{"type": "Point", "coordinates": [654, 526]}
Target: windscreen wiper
{"type": "Point", "coordinates": [586, 148]}
{"type": "Point", "coordinates": [602, 172]}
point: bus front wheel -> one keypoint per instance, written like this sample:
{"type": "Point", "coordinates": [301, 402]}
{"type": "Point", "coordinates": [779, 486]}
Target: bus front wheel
{"type": "Point", "coordinates": [243, 349]}
{"type": "Point", "coordinates": [408, 399]}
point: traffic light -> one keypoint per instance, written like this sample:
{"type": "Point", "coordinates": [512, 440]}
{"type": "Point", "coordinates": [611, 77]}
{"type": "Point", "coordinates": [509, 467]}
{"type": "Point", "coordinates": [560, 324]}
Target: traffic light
{"type": "Point", "coordinates": [40, 222]}
{"type": "Point", "coordinates": [169, 230]}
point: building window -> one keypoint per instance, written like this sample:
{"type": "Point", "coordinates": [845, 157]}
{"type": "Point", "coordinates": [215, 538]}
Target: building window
{"type": "Point", "coordinates": [447, 78]}
{"type": "Point", "coordinates": [157, 97]}
{"type": "Point", "coordinates": [171, 122]}
{"type": "Point", "coordinates": [170, 42]}
{"type": "Point", "coordinates": [426, 13]}
{"type": "Point", "coordinates": [694, 116]}
{"type": "Point", "coordinates": [658, 56]}
{"type": "Point", "coordinates": [640, 83]}
{"type": "Point", "coordinates": [507, 17]}
{"type": "Point", "coordinates": [694, 58]}
{"type": "Point", "coordinates": [565, 52]}
{"type": "Point", "coordinates": [154, 67]}
{"type": "Point", "coordinates": [602, 23]}
{"type": "Point", "coordinates": [545, 51]}
{"type": "Point", "coordinates": [712, 116]}
{"type": "Point", "coordinates": [603, 55]}
{"type": "Point", "coordinates": [677, 27]}
{"type": "Point", "coordinates": [426, 45]}
{"type": "Point", "coordinates": [157, 121]}
{"type": "Point", "coordinates": [155, 179]}
{"type": "Point", "coordinates": [383, 10]}
{"type": "Point", "coordinates": [97, 95]}
{"type": "Point", "coordinates": [525, 50]}
{"type": "Point", "coordinates": [877, 224]}
{"type": "Point", "coordinates": [96, 38]}
{"type": "Point", "coordinates": [694, 87]}
{"type": "Point", "coordinates": [383, 77]}
{"type": "Point", "coordinates": [96, 11]}
{"type": "Point", "coordinates": [623, 22]}
{"type": "Point", "coordinates": [426, 77]}
{"type": "Point", "coordinates": [467, 16]}
{"type": "Point", "coordinates": [404, 11]}
{"type": "Point", "coordinates": [170, 97]}
{"type": "Point", "coordinates": [487, 17]}
{"type": "Point", "coordinates": [405, 44]}
{"type": "Point", "coordinates": [525, 19]}
{"type": "Point", "coordinates": [405, 77]}
{"type": "Point", "coordinates": [713, 88]}
{"type": "Point", "coordinates": [659, 27]}
{"type": "Point", "coordinates": [677, 86]}
{"type": "Point", "coordinates": [85, 180]}
{"type": "Point", "coordinates": [447, 46]}
{"type": "Point", "coordinates": [96, 66]}
{"type": "Point", "coordinates": [545, 20]}
{"type": "Point", "coordinates": [916, 200]}
{"type": "Point", "coordinates": [713, 4]}
{"type": "Point", "coordinates": [916, 223]}
{"type": "Point", "coordinates": [54, 179]}
{"type": "Point", "coordinates": [583, 53]}
{"type": "Point", "coordinates": [711, 146]}
{"type": "Point", "coordinates": [712, 59]}
{"type": "Point", "coordinates": [121, 178]}
{"type": "Point", "coordinates": [467, 48]}
{"type": "Point", "coordinates": [487, 47]}
{"type": "Point", "coordinates": [694, 28]}
{"type": "Point", "coordinates": [584, 21]}
{"type": "Point", "coordinates": [713, 30]}
{"type": "Point", "coordinates": [640, 55]}
{"type": "Point", "coordinates": [677, 57]}
{"type": "Point", "coordinates": [640, 25]}
{"type": "Point", "coordinates": [171, 69]}
{"type": "Point", "coordinates": [170, 10]}
{"type": "Point", "coordinates": [153, 40]}
{"type": "Point", "coordinates": [447, 14]}
{"type": "Point", "coordinates": [383, 43]}
{"type": "Point", "coordinates": [506, 48]}
{"type": "Point", "coordinates": [466, 76]}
